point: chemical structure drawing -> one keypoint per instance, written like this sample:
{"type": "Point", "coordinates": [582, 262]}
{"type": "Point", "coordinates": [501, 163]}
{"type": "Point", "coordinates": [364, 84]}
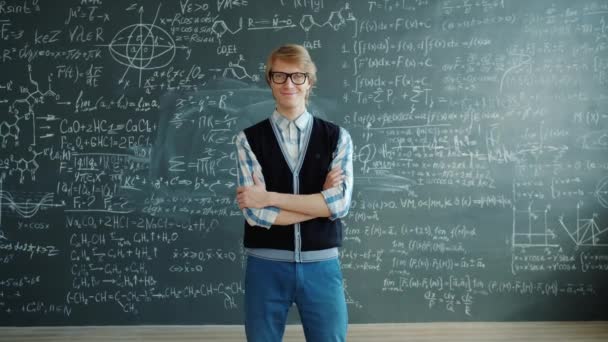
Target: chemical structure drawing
{"type": "Point", "coordinates": [219, 28]}
{"type": "Point", "coordinates": [10, 131]}
{"type": "Point", "coordinates": [143, 46]}
{"type": "Point", "coordinates": [237, 71]}
{"type": "Point", "coordinates": [22, 166]}
{"type": "Point", "coordinates": [336, 20]}
{"type": "Point", "coordinates": [587, 232]}
{"type": "Point", "coordinates": [23, 109]}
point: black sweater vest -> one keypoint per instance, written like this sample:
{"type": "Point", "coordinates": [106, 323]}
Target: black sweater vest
{"type": "Point", "coordinates": [316, 234]}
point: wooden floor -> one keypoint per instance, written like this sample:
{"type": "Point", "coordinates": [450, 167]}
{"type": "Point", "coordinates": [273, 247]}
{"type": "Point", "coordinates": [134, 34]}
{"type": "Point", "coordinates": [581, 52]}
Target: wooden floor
{"type": "Point", "coordinates": [486, 332]}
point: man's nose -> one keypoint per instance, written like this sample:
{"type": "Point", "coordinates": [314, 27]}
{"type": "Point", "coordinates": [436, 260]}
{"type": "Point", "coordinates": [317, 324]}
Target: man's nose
{"type": "Point", "coordinates": [289, 82]}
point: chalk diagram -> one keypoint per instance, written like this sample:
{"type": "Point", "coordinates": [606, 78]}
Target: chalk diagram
{"type": "Point", "coordinates": [143, 47]}
{"type": "Point", "coordinates": [23, 109]}
{"type": "Point", "coordinates": [28, 206]}
{"type": "Point", "coordinates": [236, 71]}
{"type": "Point", "coordinates": [22, 166]}
{"type": "Point", "coordinates": [219, 28]}
{"type": "Point", "coordinates": [531, 229]}
{"type": "Point", "coordinates": [348, 298]}
{"type": "Point", "coordinates": [336, 20]}
{"type": "Point", "coordinates": [587, 231]}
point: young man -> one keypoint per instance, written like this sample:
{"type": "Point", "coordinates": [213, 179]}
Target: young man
{"type": "Point", "coordinates": [295, 183]}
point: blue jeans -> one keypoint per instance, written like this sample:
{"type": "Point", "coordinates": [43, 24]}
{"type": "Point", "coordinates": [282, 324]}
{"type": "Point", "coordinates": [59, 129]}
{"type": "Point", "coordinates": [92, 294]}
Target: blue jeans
{"type": "Point", "coordinates": [271, 287]}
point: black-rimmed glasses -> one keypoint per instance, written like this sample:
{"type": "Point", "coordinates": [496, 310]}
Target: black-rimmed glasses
{"type": "Point", "coordinates": [297, 78]}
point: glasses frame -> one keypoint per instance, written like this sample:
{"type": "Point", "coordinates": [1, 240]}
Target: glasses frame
{"type": "Point", "coordinates": [288, 75]}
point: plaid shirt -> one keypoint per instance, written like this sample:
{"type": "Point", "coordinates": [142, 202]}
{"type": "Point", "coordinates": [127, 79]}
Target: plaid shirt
{"type": "Point", "coordinates": [292, 134]}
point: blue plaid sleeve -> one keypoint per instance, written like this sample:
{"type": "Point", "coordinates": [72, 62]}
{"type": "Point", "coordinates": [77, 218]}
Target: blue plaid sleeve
{"type": "Point", "coordinates": [338, 198]}
{"type": "Point", "coordinates": [247, 166]}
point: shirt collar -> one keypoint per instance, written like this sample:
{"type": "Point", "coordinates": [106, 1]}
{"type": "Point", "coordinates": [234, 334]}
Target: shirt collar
{"type": "Point", "coordinates": [301, 121]}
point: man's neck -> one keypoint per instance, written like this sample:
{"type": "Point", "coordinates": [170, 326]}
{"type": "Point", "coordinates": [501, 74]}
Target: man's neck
{"type": "Point", "coordinates": [291, 114]}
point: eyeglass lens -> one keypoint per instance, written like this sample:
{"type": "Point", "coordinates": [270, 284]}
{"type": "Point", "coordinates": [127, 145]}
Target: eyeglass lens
{"type": "Point", "coordinates": [296, 77]}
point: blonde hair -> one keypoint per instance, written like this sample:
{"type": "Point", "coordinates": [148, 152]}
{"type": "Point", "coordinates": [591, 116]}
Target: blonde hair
{"type": "Point", "coordinates": [295, 54]}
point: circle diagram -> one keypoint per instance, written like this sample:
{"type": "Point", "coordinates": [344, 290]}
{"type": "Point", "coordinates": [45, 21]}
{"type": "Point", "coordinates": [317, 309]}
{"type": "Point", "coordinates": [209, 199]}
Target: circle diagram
{"type": "Point", "coordinates": [143, 47]}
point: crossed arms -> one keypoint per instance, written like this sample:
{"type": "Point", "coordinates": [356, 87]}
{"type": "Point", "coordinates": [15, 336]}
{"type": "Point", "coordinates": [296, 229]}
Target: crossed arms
{"type": "Point", "coordinates": [264, 208]}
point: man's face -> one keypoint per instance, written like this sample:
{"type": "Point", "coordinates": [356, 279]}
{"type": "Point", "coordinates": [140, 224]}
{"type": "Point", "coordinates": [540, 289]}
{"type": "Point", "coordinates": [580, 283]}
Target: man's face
{"type": "Point", "coordinates": [290, 98]}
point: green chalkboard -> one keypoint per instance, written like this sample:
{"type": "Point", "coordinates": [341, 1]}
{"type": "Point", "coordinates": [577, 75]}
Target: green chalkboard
{"type": "Point", "coordinates": [480, 133]}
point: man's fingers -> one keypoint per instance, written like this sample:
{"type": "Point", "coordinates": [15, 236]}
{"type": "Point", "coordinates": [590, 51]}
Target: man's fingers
{"type": "Point", "coordinates": [256, 181]}
{"type": "Point", "coordinates": [334, 178]}
{"type": "Point", "coordinates": [332, 175]}
{"type": "Point", "coordinates": [337, 178]}
{"type": "Point", "coordinates": [241, 201]}
{"type": "Point", "coordinates": [337, 172]}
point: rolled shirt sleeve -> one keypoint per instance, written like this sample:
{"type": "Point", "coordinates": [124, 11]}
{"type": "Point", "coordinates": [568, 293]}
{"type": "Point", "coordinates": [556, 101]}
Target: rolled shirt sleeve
{"type": "Point", "coordinates": [339, 197]}
{"type": "Point", "coordinates": [247, 166]}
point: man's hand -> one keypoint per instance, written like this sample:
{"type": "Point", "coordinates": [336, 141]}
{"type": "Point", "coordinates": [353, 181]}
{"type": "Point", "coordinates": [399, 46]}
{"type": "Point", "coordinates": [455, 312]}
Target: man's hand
{"type": "Point", "coordinates": [256, 197]}
{"type": "Point", "coordinates": [253, 196]}
{"type": "Point", "coordinates": [334, 178]}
